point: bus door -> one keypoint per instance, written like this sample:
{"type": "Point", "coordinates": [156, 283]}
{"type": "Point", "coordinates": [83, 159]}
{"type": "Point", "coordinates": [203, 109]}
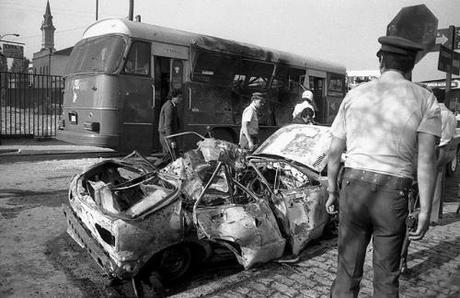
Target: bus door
{"type": "Point", "coordinates": [168, 63]}
{"type": "Point", "coordinates": [316, 83]}
{"type": "Point", "coordinates": [136, 106]}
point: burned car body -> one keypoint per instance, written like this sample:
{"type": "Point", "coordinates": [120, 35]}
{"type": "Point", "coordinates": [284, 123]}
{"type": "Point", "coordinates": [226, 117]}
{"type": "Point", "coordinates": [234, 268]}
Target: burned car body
{"type": "Point", "coordinates": [127, 213]}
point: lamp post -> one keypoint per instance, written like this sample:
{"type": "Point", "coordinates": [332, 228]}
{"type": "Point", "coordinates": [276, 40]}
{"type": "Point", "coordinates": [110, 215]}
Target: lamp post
{"type": "Point", "coordinates": [13, 34]}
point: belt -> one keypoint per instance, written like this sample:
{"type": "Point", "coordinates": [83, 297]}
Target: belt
{"type": "Point", "coordinates": [378, 179]}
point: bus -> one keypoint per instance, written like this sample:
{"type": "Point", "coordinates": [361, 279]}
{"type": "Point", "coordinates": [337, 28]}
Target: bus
{"type": "Point", "coordinates": [356, 77]}
{"type": "Point", "coordinates": [120, 73]}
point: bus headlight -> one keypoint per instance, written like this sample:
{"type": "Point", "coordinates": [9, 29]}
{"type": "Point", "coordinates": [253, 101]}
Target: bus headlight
{"type": "Point", "coordinates": [93, 126]}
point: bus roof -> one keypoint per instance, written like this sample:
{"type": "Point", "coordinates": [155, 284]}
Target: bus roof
{"type": "Point", "coordinates": [178, 37]}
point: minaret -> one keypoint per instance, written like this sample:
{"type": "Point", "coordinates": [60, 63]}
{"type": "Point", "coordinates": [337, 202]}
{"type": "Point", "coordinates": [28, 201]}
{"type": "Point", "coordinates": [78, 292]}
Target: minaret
{"type": "Point", "coordinates": [47, 29]}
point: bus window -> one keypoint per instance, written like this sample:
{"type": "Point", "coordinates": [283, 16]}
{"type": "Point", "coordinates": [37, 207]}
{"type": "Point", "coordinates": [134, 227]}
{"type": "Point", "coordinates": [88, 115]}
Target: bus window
{"type": "Point", "coordinates": [213, 68]}
{"type": "Point", "coordinates": [138, 60]}
{"type": "Point", "coordinates": [258, 73]}
{"type": "Point", "coordinates": [336, 86]}
{"type": "Point", "coordinates": [97, 54]}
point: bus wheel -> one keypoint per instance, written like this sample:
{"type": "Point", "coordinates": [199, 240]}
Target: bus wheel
{"type": "Point", "coordinates": [452, 165]}
{"type": "Point", "coordinates": [224, 134]}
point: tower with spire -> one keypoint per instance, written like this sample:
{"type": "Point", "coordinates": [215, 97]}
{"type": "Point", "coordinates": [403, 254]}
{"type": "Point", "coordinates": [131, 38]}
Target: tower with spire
{"type": "Point", "coordinates": [47, 29]}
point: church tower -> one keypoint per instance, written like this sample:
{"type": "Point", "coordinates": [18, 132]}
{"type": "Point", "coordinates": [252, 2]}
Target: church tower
{"type": "Point", "coordinates": [47, 29]}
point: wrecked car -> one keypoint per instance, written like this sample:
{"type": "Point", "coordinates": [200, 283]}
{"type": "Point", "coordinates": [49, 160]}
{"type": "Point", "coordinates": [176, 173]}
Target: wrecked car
{"type": "Point", "coordinates": [131, 216]}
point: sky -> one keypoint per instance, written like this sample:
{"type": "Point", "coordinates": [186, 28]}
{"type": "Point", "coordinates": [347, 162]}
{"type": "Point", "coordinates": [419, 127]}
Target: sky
{"type": "Point", "coordinates": [342, 31]}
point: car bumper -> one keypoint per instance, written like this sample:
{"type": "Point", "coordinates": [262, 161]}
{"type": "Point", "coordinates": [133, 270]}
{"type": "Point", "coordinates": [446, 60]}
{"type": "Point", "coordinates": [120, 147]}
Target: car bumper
{"type": "Point", "coordinates": [82, 236]}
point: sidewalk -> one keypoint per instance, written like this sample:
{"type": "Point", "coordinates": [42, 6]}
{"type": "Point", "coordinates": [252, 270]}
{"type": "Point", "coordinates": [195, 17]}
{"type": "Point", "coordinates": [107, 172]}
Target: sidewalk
{"type": "Point", "coordinates": [14, 150]}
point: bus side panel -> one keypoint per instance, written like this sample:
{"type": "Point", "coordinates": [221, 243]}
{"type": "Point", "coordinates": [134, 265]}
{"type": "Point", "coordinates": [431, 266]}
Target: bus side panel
{"type": "Point", "coordinates": [137, 127]}
{"type": "Point", "coordinates": [210, 104]}
{"type": "Point", "coordinates": [90, 111]}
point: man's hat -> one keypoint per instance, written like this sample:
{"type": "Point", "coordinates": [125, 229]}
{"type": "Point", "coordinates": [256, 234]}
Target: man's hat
{"type": "Point", "coordinates": [399, 45]}
{"type": "Point", "coordinates": [257, 95]}
{"type": "Point", "coordinates": [411, 32]}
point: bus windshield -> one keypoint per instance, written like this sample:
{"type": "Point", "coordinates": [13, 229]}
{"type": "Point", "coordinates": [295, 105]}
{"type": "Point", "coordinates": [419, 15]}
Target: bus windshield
{"type": "Point", "coordinates": [96, 54]}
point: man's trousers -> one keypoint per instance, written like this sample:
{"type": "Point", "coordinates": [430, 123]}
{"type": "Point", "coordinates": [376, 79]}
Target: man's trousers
{"type": "Point", "coordinates": [370, 205]}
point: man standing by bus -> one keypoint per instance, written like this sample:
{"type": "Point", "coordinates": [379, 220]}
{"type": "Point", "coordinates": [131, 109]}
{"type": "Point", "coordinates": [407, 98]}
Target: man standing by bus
{"type": "Point", "coordinates": [169, 123]}
{"type": "Point", "coordinates": [250, 122]}
{"type": "Point", "coordinates": [385, 125]}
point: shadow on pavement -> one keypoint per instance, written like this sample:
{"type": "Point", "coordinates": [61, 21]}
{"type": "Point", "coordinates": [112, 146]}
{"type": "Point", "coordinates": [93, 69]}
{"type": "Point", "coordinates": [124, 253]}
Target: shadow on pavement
{"type": "Point", "coordinates": [435, 257]}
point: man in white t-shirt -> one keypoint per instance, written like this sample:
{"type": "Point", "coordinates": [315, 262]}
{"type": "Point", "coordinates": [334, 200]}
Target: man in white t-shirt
{"type": "Point", "coordinates": [250, 122]}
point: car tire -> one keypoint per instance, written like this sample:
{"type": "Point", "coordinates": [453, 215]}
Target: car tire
{"type": "Point", "coordinates": [175, 262]}
{"type": "Point", "coordinates": [453, 164]}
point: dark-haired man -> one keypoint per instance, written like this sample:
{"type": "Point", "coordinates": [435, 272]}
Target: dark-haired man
{"type": "Point", "coordinates": [169, 123]}
{"type": "Point", "coordinates": [389, 127]}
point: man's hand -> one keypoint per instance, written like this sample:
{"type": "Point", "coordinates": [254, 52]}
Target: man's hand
{"type": "Point", "coordinates": [173, 145]}
{"type": "Point", "coordinates": [331, 203]}
{"type": "Point", "coordinates": [422, 227]}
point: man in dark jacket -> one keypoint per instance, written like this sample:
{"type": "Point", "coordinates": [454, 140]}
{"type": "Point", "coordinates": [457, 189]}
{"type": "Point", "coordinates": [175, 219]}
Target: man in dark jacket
{"type": "Point", "coordinates": [169, 122]}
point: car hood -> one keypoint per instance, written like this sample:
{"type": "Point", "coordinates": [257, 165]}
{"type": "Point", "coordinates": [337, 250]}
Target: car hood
{"type": "Point", "coordinates": [305, 144]}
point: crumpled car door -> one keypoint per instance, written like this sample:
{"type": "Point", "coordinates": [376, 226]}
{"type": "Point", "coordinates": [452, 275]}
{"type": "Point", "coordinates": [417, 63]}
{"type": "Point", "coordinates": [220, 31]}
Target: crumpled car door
{"type": "Point", "coordinates": [241, 222]}
{"type": "Point", "coordinates": [303, 214]}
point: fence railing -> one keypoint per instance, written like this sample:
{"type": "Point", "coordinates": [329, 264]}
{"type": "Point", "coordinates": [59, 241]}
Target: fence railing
{"type": "Point", "coordinates": [30, 104]}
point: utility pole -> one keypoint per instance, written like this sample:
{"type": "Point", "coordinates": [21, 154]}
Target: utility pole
{"type": "Point", "coordinates": [131, 10]}
{"type": "Point", "coordinates": [97, 9]}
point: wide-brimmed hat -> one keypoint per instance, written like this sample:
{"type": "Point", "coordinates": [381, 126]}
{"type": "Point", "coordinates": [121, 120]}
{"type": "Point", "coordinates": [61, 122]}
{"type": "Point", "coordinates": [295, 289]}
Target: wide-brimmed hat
{"type": "Point", "coordinates": [399, 45]}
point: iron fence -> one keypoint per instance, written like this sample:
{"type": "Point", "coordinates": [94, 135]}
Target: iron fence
{"type": "Point", "coordinates": [30, 104]}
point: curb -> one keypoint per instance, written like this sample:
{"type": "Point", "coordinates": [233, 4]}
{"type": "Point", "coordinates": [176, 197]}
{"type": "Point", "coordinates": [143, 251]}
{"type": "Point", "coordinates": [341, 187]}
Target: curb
{"type": "Point", "coordinates": [17, 156]}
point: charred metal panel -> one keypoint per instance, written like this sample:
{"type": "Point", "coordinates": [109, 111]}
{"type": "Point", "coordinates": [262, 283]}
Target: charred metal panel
{"type": "Point", "coordinates": [251, 226]}
{"type": "Point", "coordinates": [211, 104]}
{"type": "Point", "coordinates": [305, 215]}
{"type": "Point", "coordinates": [305, 144]}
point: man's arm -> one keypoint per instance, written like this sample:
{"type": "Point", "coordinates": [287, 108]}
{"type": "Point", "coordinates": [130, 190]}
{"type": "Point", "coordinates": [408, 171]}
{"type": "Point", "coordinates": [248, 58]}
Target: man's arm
{"type": "Point", "coordinates": [426, 178]}
{"type": "Point", "coordinates": [333, 165]}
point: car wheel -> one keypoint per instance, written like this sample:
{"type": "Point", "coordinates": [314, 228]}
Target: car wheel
{"type": "Point", "coordinates": [175, 262]}
{"type": "Point", "coordinates": [452, 165]}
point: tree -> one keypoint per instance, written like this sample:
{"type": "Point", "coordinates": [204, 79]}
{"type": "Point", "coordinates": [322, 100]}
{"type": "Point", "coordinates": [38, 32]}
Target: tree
{"type": "Point", "coordinates": [3, 63]}
{"type": "Point", "coordinates": [20, 65]}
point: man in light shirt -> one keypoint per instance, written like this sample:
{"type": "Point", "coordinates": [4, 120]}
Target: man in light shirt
{"type": "Point", "coordinates": [447, 134]}
{"type": "Point", "coordinates": [250, 122]}
{"type": "Point", "coordinates": [389, 127]}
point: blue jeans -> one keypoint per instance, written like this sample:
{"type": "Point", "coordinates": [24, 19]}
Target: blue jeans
{"type": "Point", "coordinates": [370, 207]}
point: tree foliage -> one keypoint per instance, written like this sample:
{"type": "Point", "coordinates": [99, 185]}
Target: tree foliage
{"type": "Point", "coordinates": [20, 65]}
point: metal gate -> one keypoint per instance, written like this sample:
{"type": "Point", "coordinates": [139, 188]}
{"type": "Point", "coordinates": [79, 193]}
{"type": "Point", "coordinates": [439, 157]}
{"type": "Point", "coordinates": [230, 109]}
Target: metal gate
{"type": "Point", "coordinates": [30, 104]}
